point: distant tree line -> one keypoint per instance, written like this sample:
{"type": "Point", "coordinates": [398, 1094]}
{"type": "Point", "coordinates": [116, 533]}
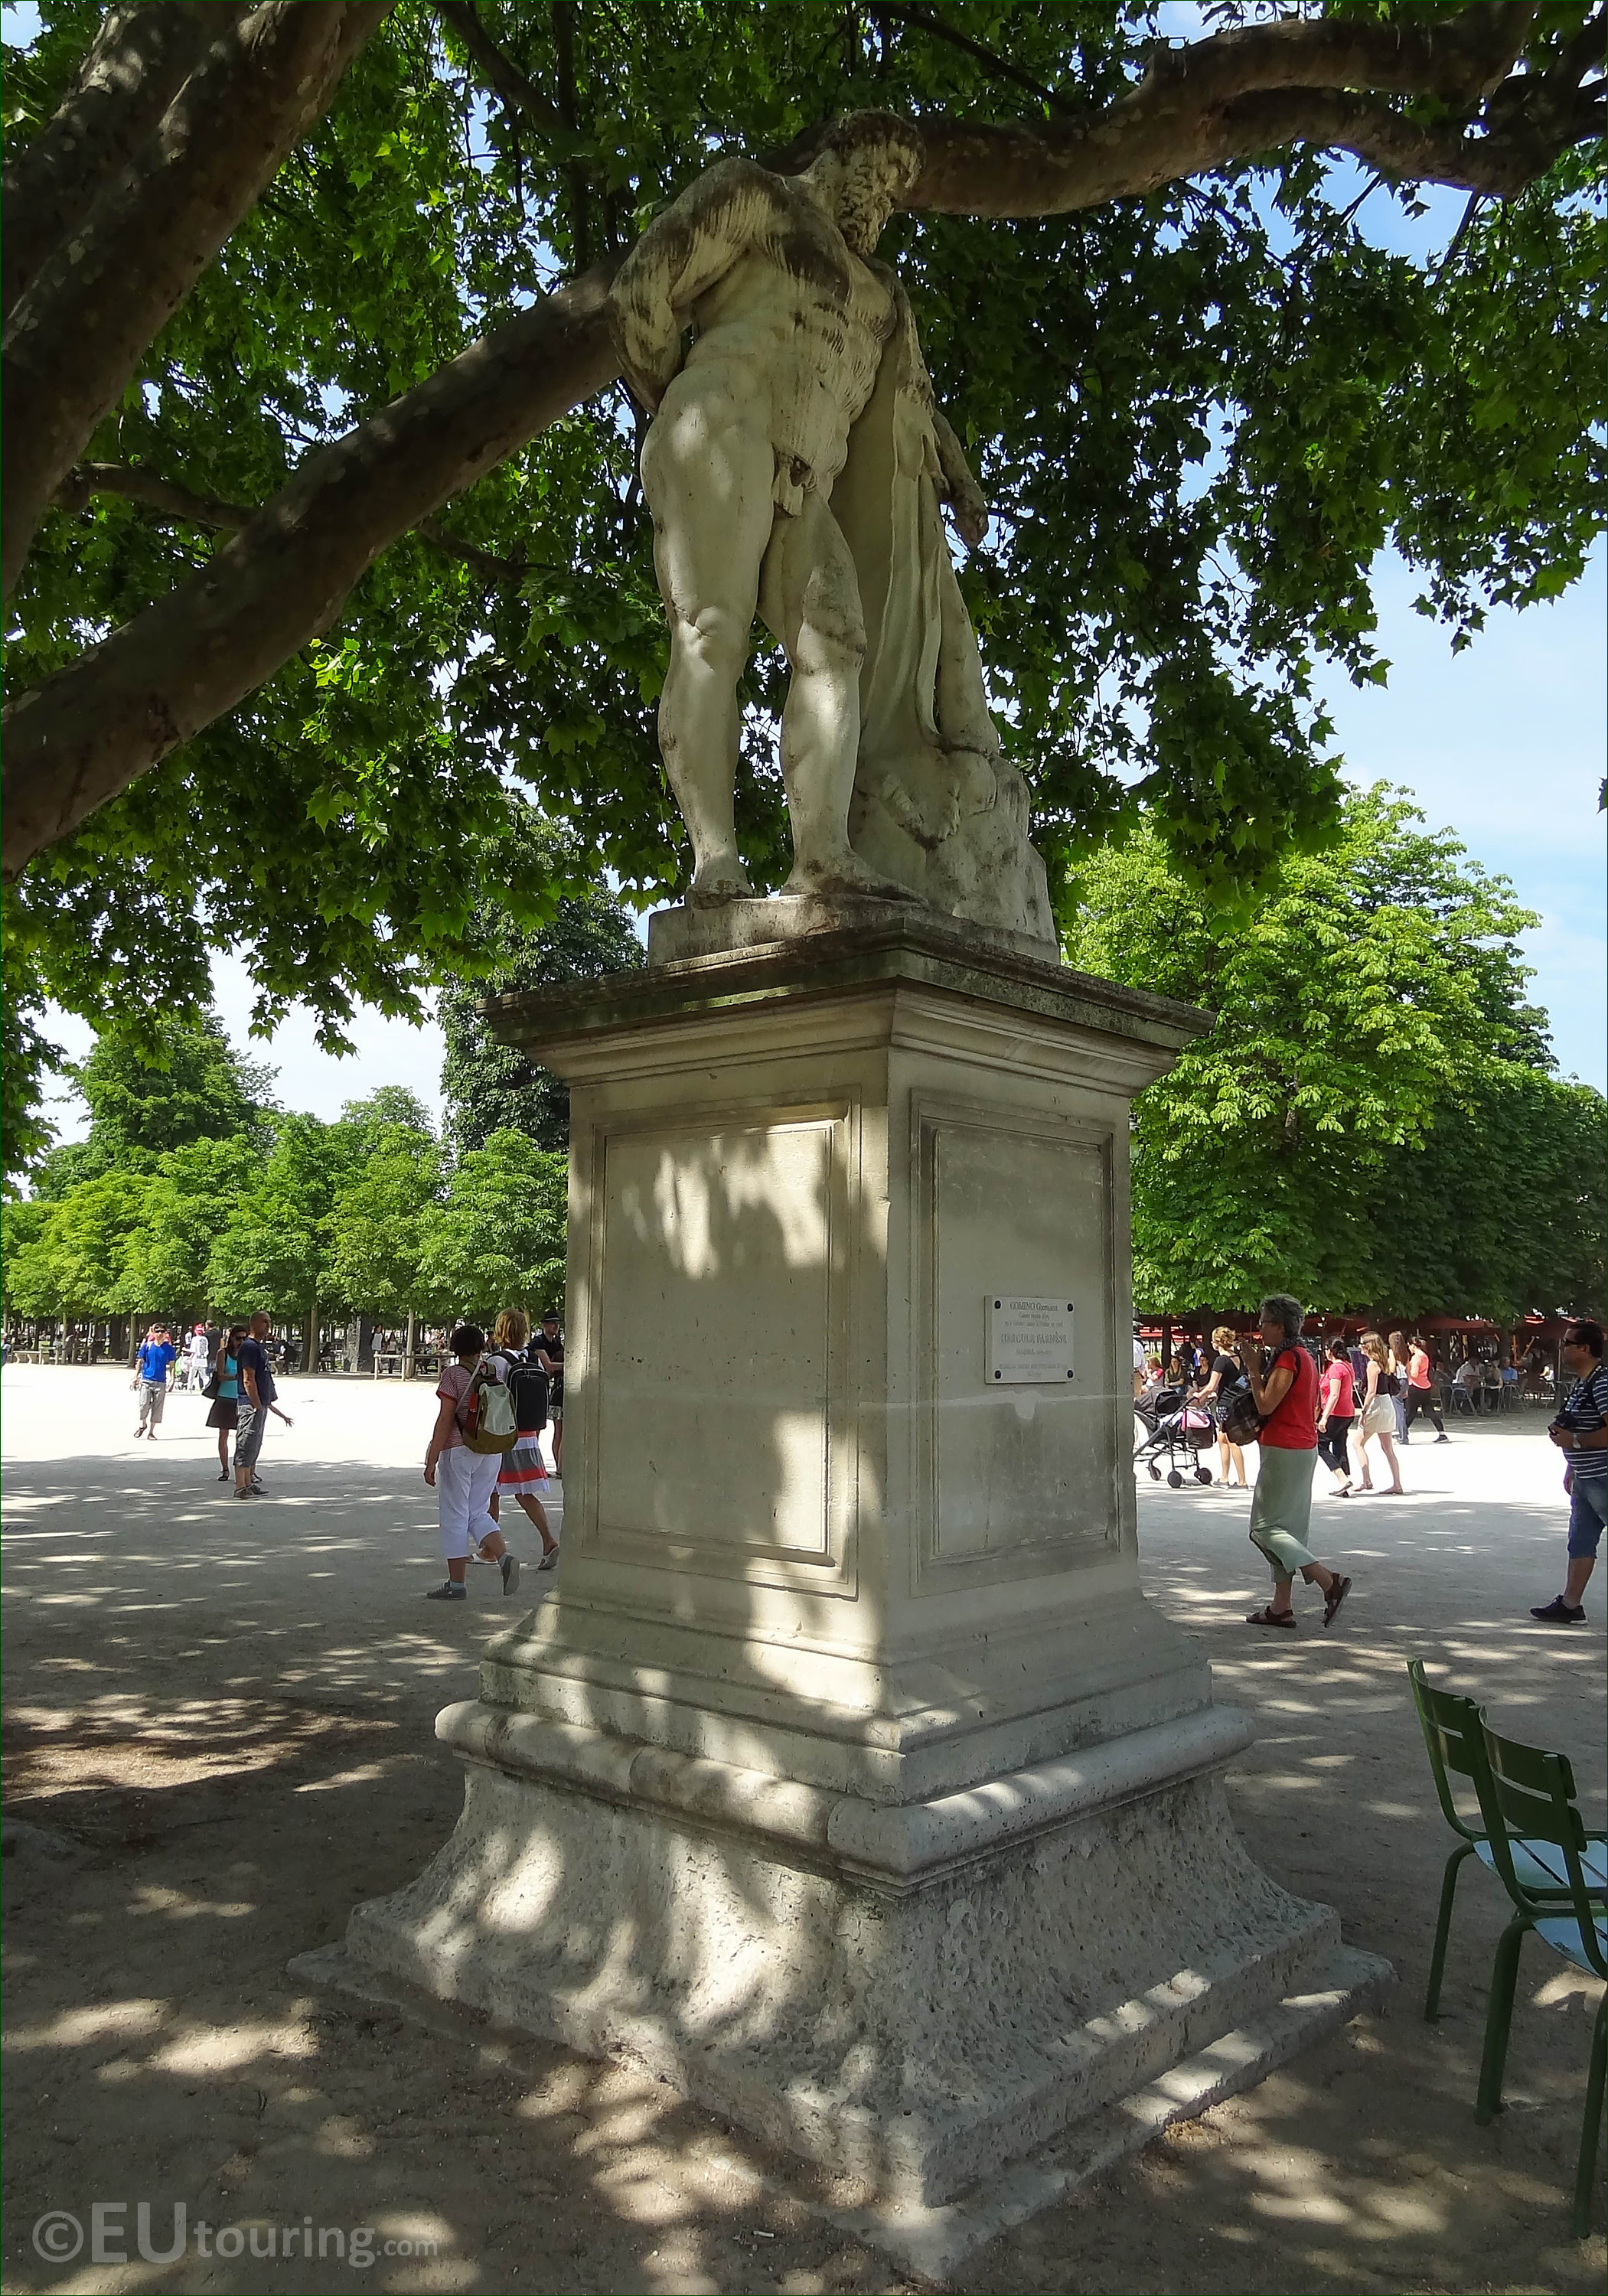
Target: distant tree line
{"type": "Point", "coordinates": [194, 1196]}
{"type": "Point", "coordinates": [1376, 1118]}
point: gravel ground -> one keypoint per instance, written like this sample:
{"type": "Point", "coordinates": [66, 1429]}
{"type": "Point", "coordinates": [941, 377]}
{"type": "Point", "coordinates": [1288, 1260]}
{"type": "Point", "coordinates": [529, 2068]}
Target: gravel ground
{"type": "Point", "coordinates": [218, 1737]}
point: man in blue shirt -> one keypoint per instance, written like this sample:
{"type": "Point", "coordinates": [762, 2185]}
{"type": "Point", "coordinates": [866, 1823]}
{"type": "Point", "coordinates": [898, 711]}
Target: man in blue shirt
{"type": "Point", "coordinates": [258, 1395]}
{"type": "Point", "coordinates": [157, 1351]}
{"type": "Point", "coordinates": [1580, 1431]}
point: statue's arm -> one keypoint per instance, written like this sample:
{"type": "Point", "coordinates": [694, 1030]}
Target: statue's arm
{"type": "Point", "coordinates": [680, 256]}
{"type": "Point", "coordinates": [965, 496]}
{"type": "Point", "coordinates": [959, 489]}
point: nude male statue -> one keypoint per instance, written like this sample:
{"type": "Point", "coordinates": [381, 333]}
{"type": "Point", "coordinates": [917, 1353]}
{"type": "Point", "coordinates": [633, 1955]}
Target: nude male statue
{"type": "Point", "coordinates": [790, 319]}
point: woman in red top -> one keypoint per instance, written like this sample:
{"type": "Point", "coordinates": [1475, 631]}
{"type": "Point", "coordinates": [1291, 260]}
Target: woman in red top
{"type": "Point", "coordinates": [1337, 1408]}
{"type": "Point", "coordinates": [1286, 1392]}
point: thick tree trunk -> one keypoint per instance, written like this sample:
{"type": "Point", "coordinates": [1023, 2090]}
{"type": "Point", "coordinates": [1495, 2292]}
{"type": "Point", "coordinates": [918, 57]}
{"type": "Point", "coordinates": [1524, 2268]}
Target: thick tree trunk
{"type": "Point", "coordinates": [98, 300]}
{"type": "Point", "coordinates": [407, 1355]}
{"type": "Point", "coordinates": [135, 66]}
{"type": "Point", "coordinates": [310, 1338]}
{"type": "Point", "coordinates": [96, 726]}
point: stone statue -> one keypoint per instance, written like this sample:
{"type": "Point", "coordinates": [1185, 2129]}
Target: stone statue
{"type": "Point", "coordinates": [794, 466]}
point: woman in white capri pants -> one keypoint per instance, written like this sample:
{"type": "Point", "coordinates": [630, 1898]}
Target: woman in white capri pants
{"type": "Point", "coordinates": [464, 1480]}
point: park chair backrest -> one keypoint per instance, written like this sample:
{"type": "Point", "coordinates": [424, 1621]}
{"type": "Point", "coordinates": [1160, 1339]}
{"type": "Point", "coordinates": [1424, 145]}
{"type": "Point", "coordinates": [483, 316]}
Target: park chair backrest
{"type": "Point", "coordinates": [1528, 1794]}
{"type": "Point", "coordinates": [1452, 1729]}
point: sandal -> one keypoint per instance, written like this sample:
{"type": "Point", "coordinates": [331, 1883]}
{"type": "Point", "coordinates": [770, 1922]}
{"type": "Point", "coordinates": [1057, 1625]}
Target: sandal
{"type": "Point", "coordinates": [1268, 1617]}
{"type": "Point", "coordinates": [1335, 1596]}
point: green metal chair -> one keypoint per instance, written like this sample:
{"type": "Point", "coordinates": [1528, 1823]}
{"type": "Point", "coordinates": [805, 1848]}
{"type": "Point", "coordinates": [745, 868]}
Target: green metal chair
{"type": "Point", "coordinates": [1453, 1732]}
{"type": "Point", "coordinates": [1527, 1796]}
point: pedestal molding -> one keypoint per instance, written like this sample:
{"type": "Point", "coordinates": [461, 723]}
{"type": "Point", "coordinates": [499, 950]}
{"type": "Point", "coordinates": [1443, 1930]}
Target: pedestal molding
{"type": "Point", "coordinates": [892, 1848]}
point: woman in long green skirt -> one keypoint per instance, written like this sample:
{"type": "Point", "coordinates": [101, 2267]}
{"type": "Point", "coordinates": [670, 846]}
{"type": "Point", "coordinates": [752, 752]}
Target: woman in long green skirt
{"type": "Point", "coordinates": [1283, 1384]}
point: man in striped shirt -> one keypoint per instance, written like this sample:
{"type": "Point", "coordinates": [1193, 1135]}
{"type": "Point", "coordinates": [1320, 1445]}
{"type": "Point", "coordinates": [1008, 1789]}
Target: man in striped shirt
{"type": "Point", "coordinates": [1581, 1430]}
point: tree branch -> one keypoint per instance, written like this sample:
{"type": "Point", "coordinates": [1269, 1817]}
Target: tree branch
{"type": "Point", "coordinates": [74, 338]}
{"type": "Point", "coordinates": [139, 58]}
{"type": "Point", "coordinates": [96, 726]}
{"type": "Point", "coordinates": [283, 577]}
{"type": "Point", "coordinates": [135, 483]}
{"type": "Point", "coordinates": [504, 77]}
{"type": "Point", "coordinates": [923, 19]}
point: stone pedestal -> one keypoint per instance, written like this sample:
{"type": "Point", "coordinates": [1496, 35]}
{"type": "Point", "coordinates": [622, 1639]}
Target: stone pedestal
{"type": "Point", "coordinates": [849, 1779]}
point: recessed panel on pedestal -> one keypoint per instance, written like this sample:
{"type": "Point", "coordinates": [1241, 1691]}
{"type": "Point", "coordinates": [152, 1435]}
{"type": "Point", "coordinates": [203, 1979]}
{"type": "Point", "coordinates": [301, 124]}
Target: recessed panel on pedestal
{"type": "Point", "coordinates": [719, 1308]}
{"type": "Point", "coordinates": [1014, 1474]}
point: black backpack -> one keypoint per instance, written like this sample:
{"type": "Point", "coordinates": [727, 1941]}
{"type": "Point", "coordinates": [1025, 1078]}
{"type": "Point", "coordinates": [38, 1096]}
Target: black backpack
{"type": "Point", "coordinates": [529, 1387]}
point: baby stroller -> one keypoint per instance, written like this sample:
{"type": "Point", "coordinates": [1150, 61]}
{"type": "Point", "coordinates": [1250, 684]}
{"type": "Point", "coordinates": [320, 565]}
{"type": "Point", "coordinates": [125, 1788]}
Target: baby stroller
{"type": "Point", "coordinates": [1176, 1426]}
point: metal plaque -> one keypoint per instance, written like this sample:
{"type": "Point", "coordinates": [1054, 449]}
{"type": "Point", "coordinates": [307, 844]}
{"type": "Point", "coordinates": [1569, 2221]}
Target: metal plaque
{"type": "Point", "coordinates": [1029, 1343]}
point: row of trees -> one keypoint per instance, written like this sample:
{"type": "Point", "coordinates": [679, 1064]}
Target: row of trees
{"type": "Point", "coordinates": [364, 1215]}
{"type": "Point", "coordinates": [336, 563]}
{"type": "Point", "coordinates": [1374, 1120]}
{"type": "Point", "coordinates": [195, 1194]}
{"type": "Point", "coordinates": [1377, 1121]}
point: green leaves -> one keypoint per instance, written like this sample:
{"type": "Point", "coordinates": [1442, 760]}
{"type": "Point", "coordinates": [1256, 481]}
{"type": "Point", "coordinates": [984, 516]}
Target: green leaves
{"type": "Point", "coordinates": [1199, 415]}
{"type": "Point", "coordinates": [1330, 1136]}
{"type": "Point", "coordinates": [498, 1240]}
{"type": "Point", "coordinates": [489, 1086]}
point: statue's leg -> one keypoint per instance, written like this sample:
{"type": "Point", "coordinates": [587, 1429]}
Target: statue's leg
{"type": "Point", "coordinates": [809, 597]}
{"type": "Point", "coordinates": [710, 493]}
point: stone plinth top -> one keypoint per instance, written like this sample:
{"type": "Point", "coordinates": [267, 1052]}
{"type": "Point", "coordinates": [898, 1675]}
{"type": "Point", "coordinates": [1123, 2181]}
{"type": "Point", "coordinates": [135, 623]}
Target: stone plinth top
{"type": "Point", "coordinates": [727, 928]}
{"type": "Point", "coordinates": [897, 943]}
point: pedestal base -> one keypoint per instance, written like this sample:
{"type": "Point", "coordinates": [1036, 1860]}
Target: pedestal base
{"type": "Point", "coordinates": [849, 1780]}
{"type": "Point", "coordinates": [916, 2037]}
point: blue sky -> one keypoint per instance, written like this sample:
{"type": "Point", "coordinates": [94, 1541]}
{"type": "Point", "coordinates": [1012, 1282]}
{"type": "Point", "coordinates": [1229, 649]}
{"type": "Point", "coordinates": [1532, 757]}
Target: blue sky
{"type": "Point", "coordinates": [1503, 744]}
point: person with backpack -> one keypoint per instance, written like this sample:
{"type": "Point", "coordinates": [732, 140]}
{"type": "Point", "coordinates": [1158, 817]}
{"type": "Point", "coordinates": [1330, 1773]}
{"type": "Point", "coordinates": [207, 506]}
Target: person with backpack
{"type": "Point", "coordinates": [474, 1432]}
{"type": "Point", "coordinates": [524, 1471]}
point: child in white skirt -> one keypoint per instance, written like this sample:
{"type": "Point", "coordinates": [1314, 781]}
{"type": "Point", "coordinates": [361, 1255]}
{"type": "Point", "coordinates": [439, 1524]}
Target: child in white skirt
{"type": "Point", "coordinates": [524, 1471]}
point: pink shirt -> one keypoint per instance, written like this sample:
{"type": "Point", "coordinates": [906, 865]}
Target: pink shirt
{"type": "Point", "coordinates": [1339, 1390]}
{"type": "Point", "coordinates": [456, 1381]}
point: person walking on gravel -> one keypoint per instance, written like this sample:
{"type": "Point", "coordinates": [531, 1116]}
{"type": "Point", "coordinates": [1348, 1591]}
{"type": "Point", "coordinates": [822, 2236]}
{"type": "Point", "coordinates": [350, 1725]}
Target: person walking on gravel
{"type": "Point", "coordinates": [462, 1478]}
{"type": "Point", "coordinates": [548, 1350]}
{"type": "Point", "coordinates": [1421, 1389]}
{"type": "Point", "coordinates": [523, 1474]}
{"type": "Point", "coordinates": [1580, 1431]}
{"type": "Point", "coordinates": [258, 1396]}
{"type": "Point", "coordinates": [224, 1414]}
{"type": "Point", "coordinates": [157, 1352]}
{"type": "Point", "coordinates": [1284, 1385]}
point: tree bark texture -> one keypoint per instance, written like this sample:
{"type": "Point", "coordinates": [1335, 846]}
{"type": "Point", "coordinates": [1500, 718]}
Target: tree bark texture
{"type": "Point", "coordinates": [102, 296]}
{"type": "Point", "coordinates": [135, 66]}
{"type": "Point", "coordinates": [99, 723]}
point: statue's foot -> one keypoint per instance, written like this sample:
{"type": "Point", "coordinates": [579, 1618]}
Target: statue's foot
{"type": "Point", "coordinates": [717, 881]}
{"type": "Point", "coordinates": [845, 873]}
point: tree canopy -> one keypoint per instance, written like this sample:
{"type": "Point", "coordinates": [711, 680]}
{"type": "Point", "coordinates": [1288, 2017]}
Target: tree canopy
{"type": "Point", "coordinates": [362, 1215]}
{"type": "Point", "coordinates": [324, 553]}
{"type": "Point", "coordinates": [489, 1086]}
{"type": "Point", "coordinates": [1374, 1116]}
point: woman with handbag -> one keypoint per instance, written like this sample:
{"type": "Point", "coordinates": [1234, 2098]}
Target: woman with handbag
{"type": "Point", "coordinates": [1375, 1421]}
{"type": "Point", "coordinates": [1284, 1387]}
{"type": "Point", "coordinates": [1224, 1375]}
{"type": "Point", "coordinates": [224, 1388]}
